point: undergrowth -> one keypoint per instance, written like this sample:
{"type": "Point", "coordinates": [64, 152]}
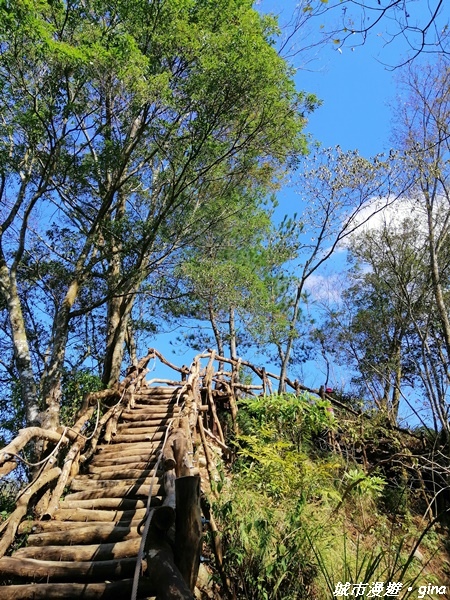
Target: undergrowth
{"type": "Point", "coordinates": [301, 519]}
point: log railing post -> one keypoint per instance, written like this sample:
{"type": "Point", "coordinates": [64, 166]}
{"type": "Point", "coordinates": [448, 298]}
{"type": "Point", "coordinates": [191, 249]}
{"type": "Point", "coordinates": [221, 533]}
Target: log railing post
{"type": "Point", "coordinates": [188, 528]}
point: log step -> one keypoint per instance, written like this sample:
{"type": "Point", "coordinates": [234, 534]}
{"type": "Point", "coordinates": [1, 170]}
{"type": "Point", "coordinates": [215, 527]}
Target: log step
{"type": "Point", "coordinates": [142, 436]}
{"type": "Point", "coordinates": [119, 504]}
{"type": "Point", "coordinates": [146, 426]}
{"type": "Point", "coordinates": [158, 392]}
{"type": "Point", "coordinates": [115, 449]}
{"type": "Point", "coordinates": [35, 527]}
{"type": "Point", "coordinates": [79, 553]}
{"type": "Point", "coordinates": [154, 399]}
{"type": "Point", "coordinates": [129, 462]}
{"type": "Point", "coordinates": [85, 484]}
{"type": "Point", "coordinates": [85, 515]}
{"type": "Point", "coordinates": [74, 591]}
{"type": "Point", "coordinates": [146, 421]}
{"type": "Point", "coordinates": [65, 570]}
{"type": "Point", "coordinates": [92, 539]}
{"type": "Point", "coordinates": [118, 491]}
{"type": "Point", "coordinates": [128, 473]}
{"type": "Point", "coordinates": [150, 414]}
{"type": "Point", "coordinates": [155, 408]}
{"type": "Point", "coordinates": [88, 534]}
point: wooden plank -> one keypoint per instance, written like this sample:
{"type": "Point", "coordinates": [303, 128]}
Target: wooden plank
{"type": "Point", "coordinates": [116, 449]}
{"type": "Point", "coordinates": [149, 414]}
{"type": "Point", "coordinates": [154, 406]}
{"type": "Point", "coordinates": [34, 527]}
{"type": "Point", "coordinates": [157, 392]}
{"type": "Point", "coordinates": [138, 427]}
{"type": "Point", "coordinates": [131, 463]}
{"type": "Point", "coordinates": [104, 503]}
{"type": "Point", "coordinates": [147, 420]}
{"type": "Point", "coordinates": [128, 460]}
{"type": "Point", "coordinates": [144, 436]}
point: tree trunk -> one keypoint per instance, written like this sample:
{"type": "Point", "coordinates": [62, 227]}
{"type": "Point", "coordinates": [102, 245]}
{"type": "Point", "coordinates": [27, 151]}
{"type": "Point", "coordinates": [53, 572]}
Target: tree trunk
{"type": "Point", "coordinates": [287, 353]}
{"type": "Point", "coordinates": [130, 343]}
{"type": "Point", "coordinates": [8, 288]}
{"type": "Point", "coordinates": [216, 331]}
{"type": "Point", "coordinates": [233, 344]}
{"type": "Point", "coordinates": [395, 402]}
{"type": "Point", "coordinates": [436, 279]}
{"type": "Point", "coordinates": [119, 310]}
{"type": "Point", "coordinates": [52, 377]}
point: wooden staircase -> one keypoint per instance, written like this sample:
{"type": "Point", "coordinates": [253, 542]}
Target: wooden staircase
{"type": "Point", "coordinates": [115, 509]}
{"type": "Point", "coordinates": [100, 515]}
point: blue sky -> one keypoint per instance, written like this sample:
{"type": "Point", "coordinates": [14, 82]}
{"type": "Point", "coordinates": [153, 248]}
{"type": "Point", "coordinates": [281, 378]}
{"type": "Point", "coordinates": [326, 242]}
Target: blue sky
{"type": "Point", "coordinates": [355, 85]}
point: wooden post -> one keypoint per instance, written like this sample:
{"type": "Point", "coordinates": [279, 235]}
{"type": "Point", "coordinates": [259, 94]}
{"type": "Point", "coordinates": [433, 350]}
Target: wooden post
{"type": "Point", "coordinates": [161, 570]}
{"type": "Point", "coordinates": [188, 528]}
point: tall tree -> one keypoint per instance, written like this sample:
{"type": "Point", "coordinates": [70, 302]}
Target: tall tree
{"type": "Point", "coordinates": [406, 287]}
{"type": "Point", "coordinates": [221, 275]}
{"type": "Point", "coordinates": [372, 332]}
{"type": "Point", "coordinates": [120, 119]}
{"type": "Point", "coordinates": [336, 190]}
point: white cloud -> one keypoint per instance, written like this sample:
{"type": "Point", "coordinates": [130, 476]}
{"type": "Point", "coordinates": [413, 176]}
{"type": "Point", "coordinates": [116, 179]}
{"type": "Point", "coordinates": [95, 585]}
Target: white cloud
{"type": "Point", "coordinates": [383, 212]}
{"type": "Point", "coordinates": [325, 288]}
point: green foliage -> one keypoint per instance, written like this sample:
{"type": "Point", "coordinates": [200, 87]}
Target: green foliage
{"type": "Point", "coordinates": [294, 418]}
{"type": "Point", "coordinates": [295, 523]}
{"type": "Point", "coordinates": [137, 125]}
{"type": "Point", "coordinates": [12, 412]}
{"type": "Point", "coordinates": [76, 384]}
{"type": "Point", "coordinates": [265, 513]}
{"type": "Point", "coordinates": [8, 494]}
{"type": "Point", "coordinates": [365, 485]}
{"type": "Point", "coordinates": [267, 554]}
